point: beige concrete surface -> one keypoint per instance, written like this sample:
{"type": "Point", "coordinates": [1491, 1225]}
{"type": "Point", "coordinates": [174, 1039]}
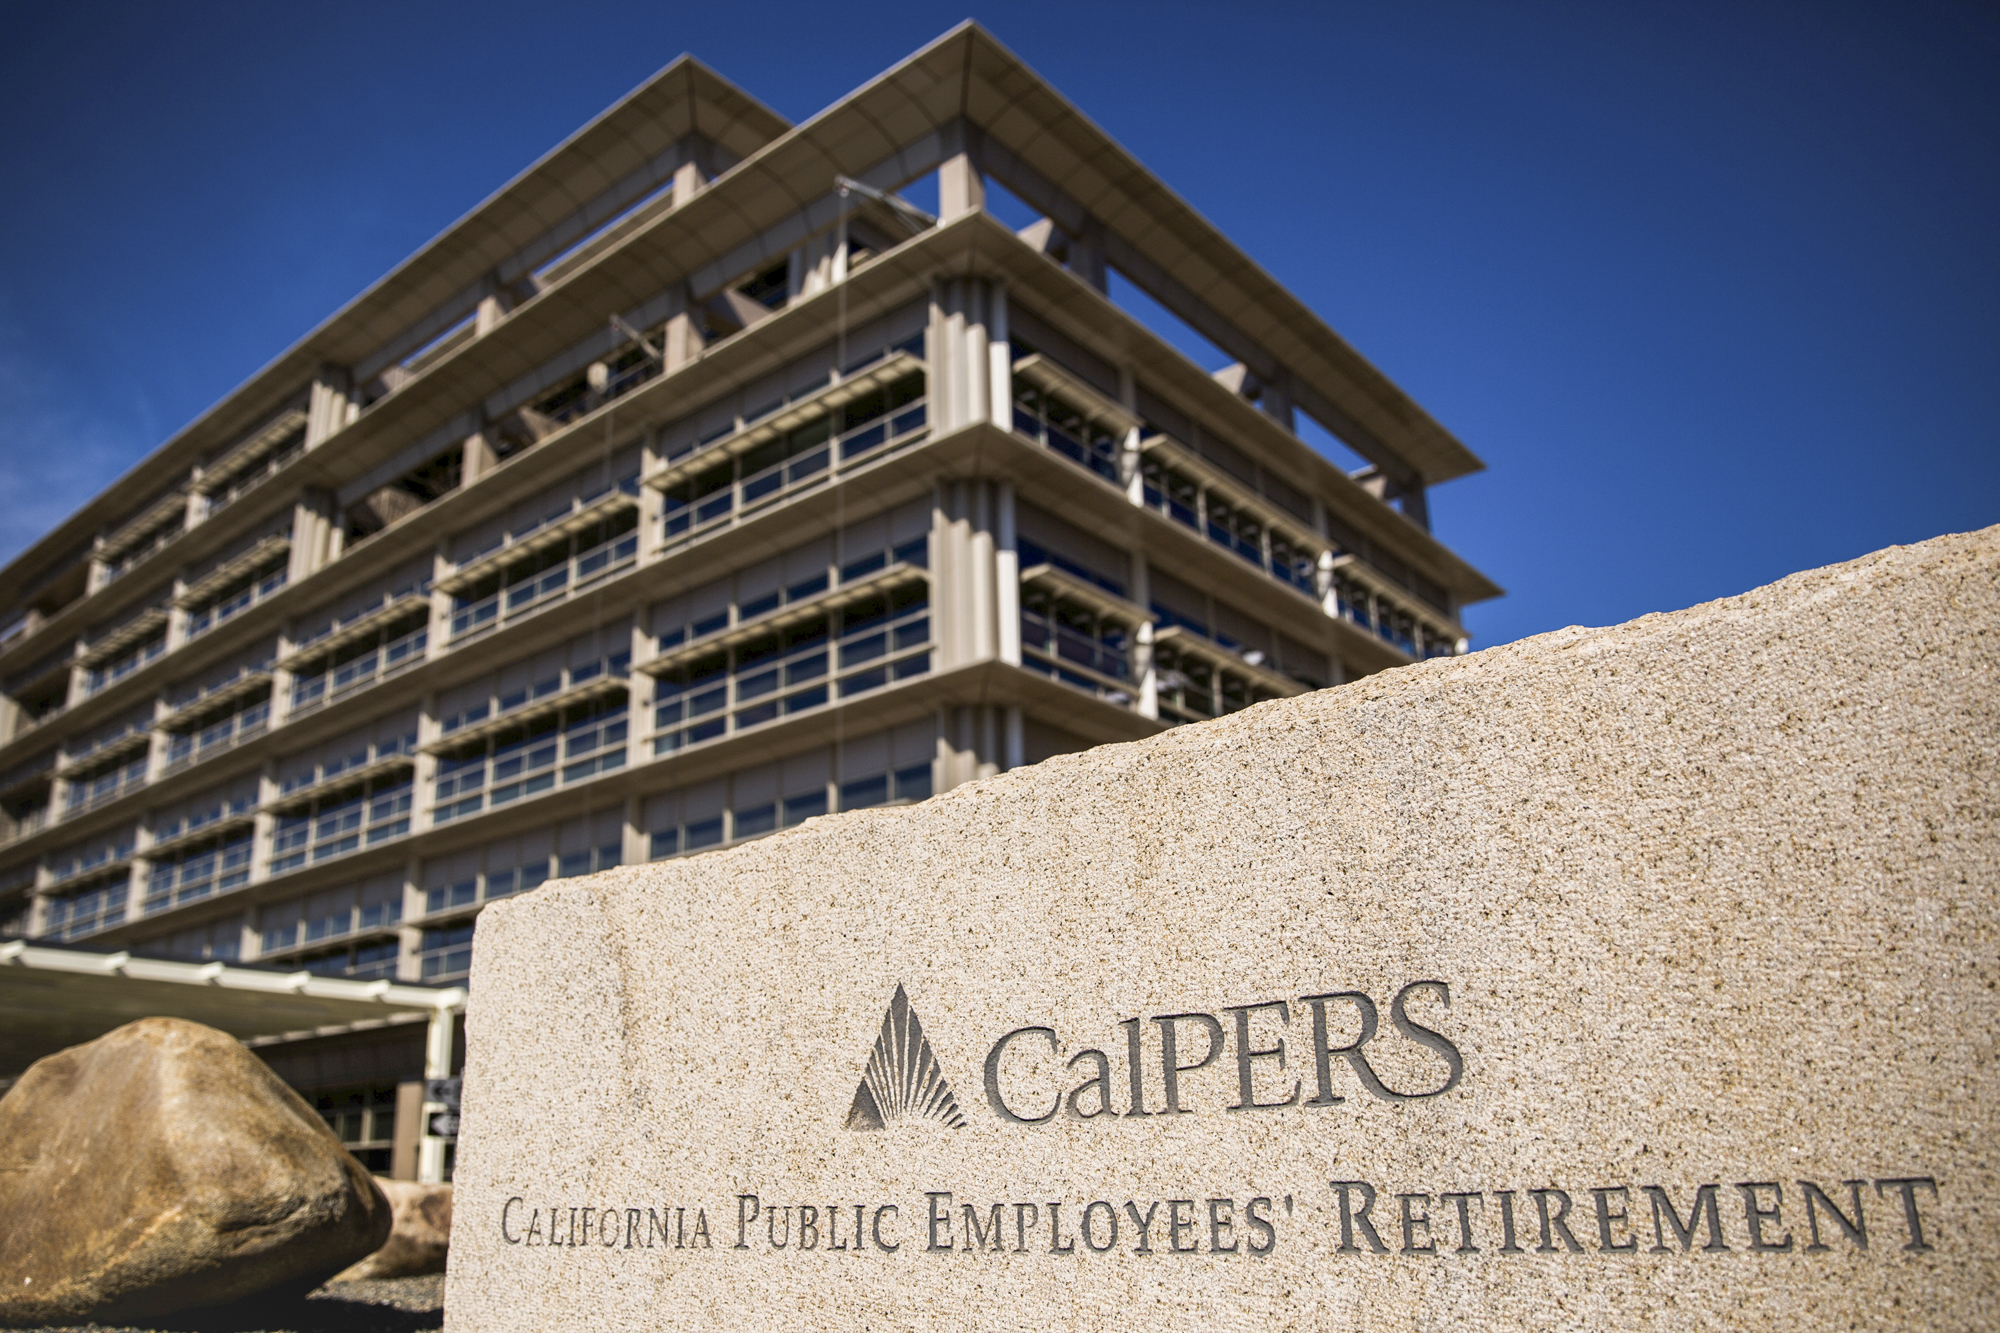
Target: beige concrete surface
{"type": "Point", "coordinates": [1710, 896]}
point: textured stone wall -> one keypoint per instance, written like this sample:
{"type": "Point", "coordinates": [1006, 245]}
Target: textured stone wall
{"type": "Point", "coordinates": [1635, 975]}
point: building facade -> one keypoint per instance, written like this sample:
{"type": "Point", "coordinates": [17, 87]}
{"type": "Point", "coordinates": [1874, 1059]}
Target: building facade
{"type": "Point", "coordinates": [694, 485]}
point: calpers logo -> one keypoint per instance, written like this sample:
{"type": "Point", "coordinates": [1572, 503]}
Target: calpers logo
{"type": "Point", "coordinates": [1297, 1050]}
{"type": "Point", "coordinates": [903, 1079]}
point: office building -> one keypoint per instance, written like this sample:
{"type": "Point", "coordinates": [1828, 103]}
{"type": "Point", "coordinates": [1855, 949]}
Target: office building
{"type": "Point", "coordinates": [696, 484]}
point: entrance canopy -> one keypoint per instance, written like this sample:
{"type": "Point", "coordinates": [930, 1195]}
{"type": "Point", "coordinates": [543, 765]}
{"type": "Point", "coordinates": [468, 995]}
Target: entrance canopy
{"type": "Point", "coordinates": [54, 996]}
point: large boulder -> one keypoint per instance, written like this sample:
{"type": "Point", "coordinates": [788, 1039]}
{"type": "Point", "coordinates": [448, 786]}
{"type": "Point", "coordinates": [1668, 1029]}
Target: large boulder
{"type": "Point", "coordinates": [164, 1167]}
{"type": "Point", "coordinates": [418, 1238]}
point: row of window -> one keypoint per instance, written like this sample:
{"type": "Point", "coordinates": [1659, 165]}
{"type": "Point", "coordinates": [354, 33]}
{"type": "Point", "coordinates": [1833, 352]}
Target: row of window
{"type": "Point", "coordinates": [332, 922]}
{"type": "Point", "coordinates": [896, 413]}
{"type": "Point", "coordinates": [216, 809]}
{"type": "Point", "coordinates": [557, 679]}
{"type": "Point", "coordinates": [83, 911]}
{"type": "Point", "coordinates": [1092, 652]}
{"type": "Point", "coordinates": [87, 793]}
{"type": "Point", "coordinates": [239, 598]}
{"type": "Point", "coordinates": [1388, 622]}
{"type": "Point", "coordinates": [1192, 688]}
{"type": "Point", "coordinates": [444, 953]}
{"type": "Point", "coordinates": [1055, 424]}
{"type": "Point", "coordinates": [676, 628]}
{"type": "Point", "coordinates": [357, 666]}
{"type": "Point", "coordinates": [539, 578]}
{"type": "Point", "coordinates": [837, 654]}
{"type": "Point", "coordinates": [373, 960]}
{"type": "Point", "coordinates": [105, 675]}
{"type": "Point", "coordinates": [569, 745]}
{"type": "Point", "coordinates": [195, 873]}
{"type": "Point", "coordinates": [341, 822]}
{"type": "Point", "coordinates": [910, 783]}
{"type": "Point", "coordinates": [319, 771]}
{"type": "Point", "coordinates": [1236, 530]}
{"type": "Point", "coordinates": [1076, 645]}
{"type": "Point", "coordinates": [222, 733]}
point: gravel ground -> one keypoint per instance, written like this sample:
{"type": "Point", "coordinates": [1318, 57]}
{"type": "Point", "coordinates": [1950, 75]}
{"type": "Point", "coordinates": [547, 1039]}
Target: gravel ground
{"type": "Point", "coordinates": [391, 1305]}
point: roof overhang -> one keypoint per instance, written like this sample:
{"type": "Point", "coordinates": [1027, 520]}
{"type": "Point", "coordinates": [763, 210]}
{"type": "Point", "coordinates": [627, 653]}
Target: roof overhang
{"type": "Point", "coordinates": [53, 997]}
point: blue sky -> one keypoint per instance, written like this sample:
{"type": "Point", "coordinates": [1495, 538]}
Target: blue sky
{"type": "Point", "coordinates": [1712, 288]}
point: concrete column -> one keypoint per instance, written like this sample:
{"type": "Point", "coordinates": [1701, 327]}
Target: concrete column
{"type": "Point", "coordinates": [683, 339]}
{"type": "Point", "coordinates": [957, 397]}
{"type": "Point", "coordinates": [409, 938]}
{"type": "Point", "coordinates": [1416, 505]}
{"type": "Point", "coordinates": [937, 358]}
{"type": "Point", "coordinates": [135, 884]}
{"type": "Point", "coordinates": [329, 405]}
{"type": "Point", "coordinates": [813, 265]}
{"type": "Point", "coordinates": [409, 1123]}
{"type": "Point", "coordinates": [688, 182]}
{"type": "Point", "coordinates": [971, 741]}
{"type": "Point", "coordinates": [437, 1064]}
{"type": "Point", "coordinates": [638, 707]}
{"type": "Point", "coordinates": [978, 376]}
{"type": "Point", "coordinates": [633, 849]}
{"type": "Point", "coordinates": [156, 751]}
{"type": "Point", "coordinates": [1129, 471]}
{"type": "Point", "coordinates": [980, 559]}
{"type": "Point", "coordinates": [989, 741]}
{"type": "Point", "coordinates": [1086, 254]}
{"type": "Point", "coordinates": [265, 826]}
{"type": "Point", "coordinates": [1276, 401]}
{"type": "Point", "coordinates": [493, 307]}
{"type": "Point", "coordinates": [313, 527]}
{"type": "Point", "coordinates": [942, 777]}
{"type": "Point", "coordinates": [1144, 674]}
{"type": "Point", "coordinates": [434, 643]}
{"type": "Point", "coordinates": [1007, 576]}
{"type": "Point", "coordinates": [999, 359]}
{"type": "Point", "coordinates": [477, 458]}
{"type": "Point", "coordinates": [952, 581]}
{"type": "Point", "coordinates": [961, 188]}
{"type": "Point", "coordinates": [1016, 752]}
{"type": "Point", "coordinates": [177, 616]}
{"type": "Point", "coordinates": [282, 681]}
{"type": "Point", "coordinates": [423, 778]}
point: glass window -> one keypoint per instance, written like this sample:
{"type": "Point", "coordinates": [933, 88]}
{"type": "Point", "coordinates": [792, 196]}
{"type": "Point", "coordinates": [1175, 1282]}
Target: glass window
{"type": "Point", "coordinates": [532, 757]}
{"type": "Point", "coordinates": [844, 652]}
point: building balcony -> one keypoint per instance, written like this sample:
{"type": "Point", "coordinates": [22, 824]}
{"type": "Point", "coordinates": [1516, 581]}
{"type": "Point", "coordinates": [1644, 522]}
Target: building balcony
{"type": "Point", "coordinates": [793, 446]}
{"type": "Point", "coordinates": [356, 628]}
{"type": "Point", "coordinates": [347, 678]}
{"type": "Point", "coordinates": [146, 624]}
{"type": "Point", "coordinates": [105, 749]}
{"type": "Point", "coordinates": [236, 567]}
{"type": "Point", "coordinates": [225, 476]}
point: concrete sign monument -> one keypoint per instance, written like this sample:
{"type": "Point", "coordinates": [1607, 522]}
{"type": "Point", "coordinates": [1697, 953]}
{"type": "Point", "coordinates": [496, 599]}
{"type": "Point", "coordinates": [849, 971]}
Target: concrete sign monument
{"type": "Point", "coordinates": [1642, 974]}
